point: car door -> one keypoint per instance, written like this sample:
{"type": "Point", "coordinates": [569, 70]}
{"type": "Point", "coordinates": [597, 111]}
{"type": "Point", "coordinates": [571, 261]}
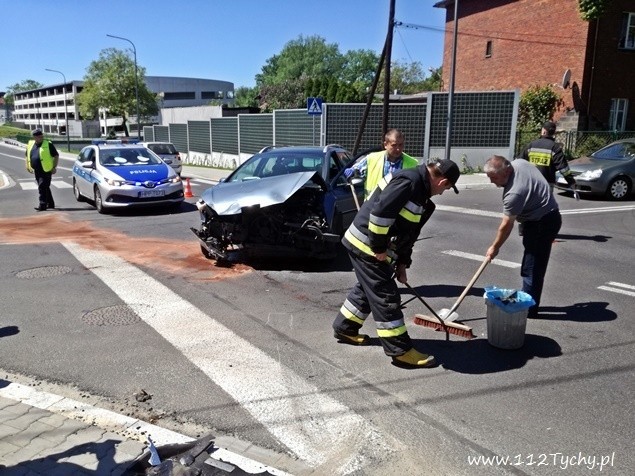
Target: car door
{"type": "Point", "coordinates": [339, 204]}
{"type": "Point", "coordinates": [83, 174]}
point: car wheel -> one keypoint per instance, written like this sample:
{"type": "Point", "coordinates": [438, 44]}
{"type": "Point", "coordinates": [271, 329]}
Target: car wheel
{"type": "Point", "coordinates": [78, 196]}
{"type": "Point", "coordinates": [619, 188]}
{"type": "Point", "coordinates": [99, 202]}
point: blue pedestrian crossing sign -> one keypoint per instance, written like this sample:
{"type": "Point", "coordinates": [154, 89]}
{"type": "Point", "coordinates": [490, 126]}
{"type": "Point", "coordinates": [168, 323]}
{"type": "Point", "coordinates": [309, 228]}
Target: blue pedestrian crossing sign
{"type": "Point", "coordinates": [314, 106]}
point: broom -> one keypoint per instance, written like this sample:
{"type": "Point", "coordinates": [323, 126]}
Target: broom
{"type": "Point", "coordinates": [455, 328]}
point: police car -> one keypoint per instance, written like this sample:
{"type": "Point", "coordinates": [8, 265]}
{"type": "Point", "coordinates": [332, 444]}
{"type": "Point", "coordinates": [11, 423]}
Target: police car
{"type": "Point", "coordinates": [114, 174]}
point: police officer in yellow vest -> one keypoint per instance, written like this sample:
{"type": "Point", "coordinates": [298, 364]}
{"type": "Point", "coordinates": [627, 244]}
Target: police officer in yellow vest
{"type": "Point", "coordinates": [41, 160]}
{"type": "Point", "coordinates": [377, 165]}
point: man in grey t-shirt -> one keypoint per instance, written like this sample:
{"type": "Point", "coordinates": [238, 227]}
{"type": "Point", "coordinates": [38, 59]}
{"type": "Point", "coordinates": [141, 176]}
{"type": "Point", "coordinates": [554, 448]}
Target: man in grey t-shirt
{"type": "Point", "coordinates": [527, 198]}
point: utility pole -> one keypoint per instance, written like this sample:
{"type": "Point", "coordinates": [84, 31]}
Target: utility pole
{"type": "Point", "coordinates": [68, 139]}
{"type": "Point", "coordinates": [448, 132]}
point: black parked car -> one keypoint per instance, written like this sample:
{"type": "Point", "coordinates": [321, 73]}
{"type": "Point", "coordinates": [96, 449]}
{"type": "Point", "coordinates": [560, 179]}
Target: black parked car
{"type": "Point", "coordinates": [292, 201]}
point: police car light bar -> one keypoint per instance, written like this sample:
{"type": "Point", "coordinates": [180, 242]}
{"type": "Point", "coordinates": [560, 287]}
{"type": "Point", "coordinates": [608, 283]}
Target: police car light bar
{"type": "Point", "coordinates": [114, 141]}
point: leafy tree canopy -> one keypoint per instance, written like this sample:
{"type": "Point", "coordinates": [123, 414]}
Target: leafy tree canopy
{"type": "Point", "coordinates": [25, 85]}
{"type": "Point", "coordinates": [306, 56]}
{"type": "Point", "coordinates": [246, 97]}
{"type": "Point", "coordinates": [110, 83]}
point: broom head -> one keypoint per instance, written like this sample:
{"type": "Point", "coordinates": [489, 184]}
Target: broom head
{"type": "Point", "coordinates": [455, 328]}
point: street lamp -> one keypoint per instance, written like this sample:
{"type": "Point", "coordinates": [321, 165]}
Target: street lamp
{"type": "Point", "coordinates": [68, 140]}
{"type": "Point", "coordinates": [136, 84]}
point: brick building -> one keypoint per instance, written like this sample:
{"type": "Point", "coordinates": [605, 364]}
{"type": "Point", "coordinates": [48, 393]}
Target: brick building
{"type": "Point", "coordinates": [509, 44]}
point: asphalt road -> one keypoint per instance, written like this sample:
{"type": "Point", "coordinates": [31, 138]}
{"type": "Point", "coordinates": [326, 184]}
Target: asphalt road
{"type": "Point", "coordinates": [108, 304]}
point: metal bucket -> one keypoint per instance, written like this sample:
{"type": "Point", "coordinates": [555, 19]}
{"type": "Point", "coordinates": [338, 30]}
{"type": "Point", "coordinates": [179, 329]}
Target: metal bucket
{"type": "Point", "coordinates": [505, 330]}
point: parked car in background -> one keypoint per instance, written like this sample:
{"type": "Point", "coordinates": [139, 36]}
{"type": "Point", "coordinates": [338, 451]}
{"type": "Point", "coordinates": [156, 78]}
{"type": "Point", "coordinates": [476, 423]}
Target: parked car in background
{"type": "Point", "coordinates": [283, 200]}
{"type": "Point", "coordinates": [167, 152]}
{"type": "Point", "coordinates": [609, 171]}
{"type": "Point", "coordinates": [117, 175]}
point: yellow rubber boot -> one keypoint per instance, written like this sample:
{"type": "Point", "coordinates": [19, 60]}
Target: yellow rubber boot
{"type": "Point", "coordinates": [414, 358]}
{"type": "Point", "coordinates": [358, 339]}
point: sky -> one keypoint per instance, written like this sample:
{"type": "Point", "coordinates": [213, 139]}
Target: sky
{"type": "Point", "coordinates": [227, 40]}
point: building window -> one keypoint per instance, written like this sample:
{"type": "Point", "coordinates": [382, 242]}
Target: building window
{"type": "Point", "coordinates": [617, 116]}
{"type": "Point", "coordinates": [208, 95]}
{"type": "Point", "coordinates": [627, 36]}
{"type": "Point", "coordinates": [488, 49]}
{"type": "Point", "coordinates": [175, 96]}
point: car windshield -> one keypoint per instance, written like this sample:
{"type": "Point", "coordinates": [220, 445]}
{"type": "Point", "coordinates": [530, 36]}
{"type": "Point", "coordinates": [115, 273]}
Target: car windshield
{"type": "Point", "coordinates": [272, 164]}
{"type": "Point", "coordinates": [617, 151]}
{"type": "Point", "coordinates": [163, 149]}
{"type": "Point", "coordinates": [119, 157]}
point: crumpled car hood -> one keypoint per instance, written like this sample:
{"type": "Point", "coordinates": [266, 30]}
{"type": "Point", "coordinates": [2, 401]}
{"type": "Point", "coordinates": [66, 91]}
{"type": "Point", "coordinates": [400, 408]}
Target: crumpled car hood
{"type": "Point", "coordinates": [229, 198]}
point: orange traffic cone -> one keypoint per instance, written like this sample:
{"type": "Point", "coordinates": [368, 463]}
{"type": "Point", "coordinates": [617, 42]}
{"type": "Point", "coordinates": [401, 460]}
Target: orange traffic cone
{"type": "Point", "coordinates": [187, 193]}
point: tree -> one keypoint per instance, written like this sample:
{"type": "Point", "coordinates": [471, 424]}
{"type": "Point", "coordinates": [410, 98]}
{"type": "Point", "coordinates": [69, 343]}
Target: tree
{"type": "Point", "coordinates": [304, 57]}
{"type": "Point", "coordinates": [246, 97]}
{"type": "Point", "coordinates": [110, 83]}
{"type": "Point", "coordinates": [406, 78]}
{"type": "Point", "coordinates": [24, 85]}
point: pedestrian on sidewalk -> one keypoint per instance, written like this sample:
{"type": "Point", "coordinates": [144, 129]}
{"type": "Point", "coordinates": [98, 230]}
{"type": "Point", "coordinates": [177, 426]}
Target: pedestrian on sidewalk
{"type": "Point", "coordinates": [41, 160]}
{"type": "Point", "coordinates": [377, 165]}
{"type": "Point", "coordinates": [379, 244]}
{"type": "Point", "coordinates": [527, 199]}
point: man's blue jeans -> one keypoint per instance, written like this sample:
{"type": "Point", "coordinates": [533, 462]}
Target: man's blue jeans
{"type": "Point", "coordinates": [538, 236]}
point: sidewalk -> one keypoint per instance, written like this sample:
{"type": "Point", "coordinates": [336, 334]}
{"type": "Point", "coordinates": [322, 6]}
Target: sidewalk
{"type": "Point", "coordinates": [49, 435]}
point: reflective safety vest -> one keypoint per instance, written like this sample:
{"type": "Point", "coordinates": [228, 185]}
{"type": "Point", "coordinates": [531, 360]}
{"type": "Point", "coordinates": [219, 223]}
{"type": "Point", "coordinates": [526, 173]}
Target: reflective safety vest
{"type": "Point", "coordinates": [391, 219]}
{"type": "Point", "coordinates": [46, 159]}
{"type": "Point", "coordinates": [375, 168]}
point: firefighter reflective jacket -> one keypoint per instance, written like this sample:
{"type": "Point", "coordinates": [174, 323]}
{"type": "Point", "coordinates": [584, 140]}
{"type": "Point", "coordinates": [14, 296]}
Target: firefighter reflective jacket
{"type": "Point", "coordinates": [391, 219]}
{"type": "Point", "coordinates": [375, 169]}
{"type": "Point", "coordinates": [546, 154]}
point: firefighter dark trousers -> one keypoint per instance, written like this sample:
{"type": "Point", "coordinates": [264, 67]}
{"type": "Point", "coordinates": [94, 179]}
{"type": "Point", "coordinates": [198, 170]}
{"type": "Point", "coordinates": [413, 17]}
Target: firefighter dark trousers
{"type": "Point", "coordinates": [375, 291]}
{"type": "Point", "coordinates": [538, 237]}
{"type": "Point", "coordinates": [43, 180]}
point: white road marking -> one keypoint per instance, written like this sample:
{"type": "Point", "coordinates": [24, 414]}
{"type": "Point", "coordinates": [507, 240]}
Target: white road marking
{"type": "Point", "coordinates": [31, 185]}
{"type": "Point", "coordinates": [617, 290]}
{"type": "Point", "coordinates": [206, 181]}
{"type": "Point", "coordinates": [580, 211]}
{"type": "Point", "coordinates": [621, 285]}
{"type": "Point", "coordinates": [480, 258]}
{"type": "Point", "coordinates": [469, 211]}
{"type": "Point", "coordinates": [314, 426]}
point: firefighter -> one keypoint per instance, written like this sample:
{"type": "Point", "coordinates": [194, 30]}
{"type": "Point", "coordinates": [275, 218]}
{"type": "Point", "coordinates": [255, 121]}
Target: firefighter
{"type": "Point", "coordinates": [377, 165]}
{"type": "Point", "coordinates": [41, 160]}
{"type": "Point", "coordinates": [546, 154]}
{"type": "Point", "coordinates": [379, 243]}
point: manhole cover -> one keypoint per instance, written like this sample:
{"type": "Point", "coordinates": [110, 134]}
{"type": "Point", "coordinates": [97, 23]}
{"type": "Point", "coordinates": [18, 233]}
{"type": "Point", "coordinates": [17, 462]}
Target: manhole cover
{"type": "Point", "coordinates": [121, 315]}
{"type": "Point", "coordinates": [43, 272]}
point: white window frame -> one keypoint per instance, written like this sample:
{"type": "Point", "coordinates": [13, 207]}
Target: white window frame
{"type": "Point", "coordinates": [629, 34]}
{"type": "Point", "coordinates": [617, 116]}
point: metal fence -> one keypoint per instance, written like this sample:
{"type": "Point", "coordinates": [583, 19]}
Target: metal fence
{"type": "Point", "coordinates": [484, 122]}
{"type": "Point", "coordinates": [575, 143]}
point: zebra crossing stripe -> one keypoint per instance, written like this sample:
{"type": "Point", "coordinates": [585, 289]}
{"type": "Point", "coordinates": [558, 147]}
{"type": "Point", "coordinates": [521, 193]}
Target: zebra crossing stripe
{"type": "Point", "coordinates": [54, 183]}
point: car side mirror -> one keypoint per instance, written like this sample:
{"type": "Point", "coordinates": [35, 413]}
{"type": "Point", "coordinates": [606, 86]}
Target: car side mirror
{"type": "Point", "coordinates": [88, 165]}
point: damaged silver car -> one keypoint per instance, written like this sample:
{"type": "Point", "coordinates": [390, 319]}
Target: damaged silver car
{"type": "Point", "coordinates": [283, 201]}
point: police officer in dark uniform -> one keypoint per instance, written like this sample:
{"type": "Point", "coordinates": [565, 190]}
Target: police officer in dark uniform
{"type": "Point", "coordinates": [379, 244]}
{"type": "Point", "coordinates": [546, 154]}
{"type": "Point", "coordinates": [41, 160]}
